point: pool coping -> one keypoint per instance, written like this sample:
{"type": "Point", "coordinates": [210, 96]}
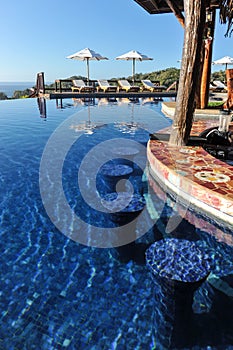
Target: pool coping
{"type": "Point", "coordinates": [168, 108]}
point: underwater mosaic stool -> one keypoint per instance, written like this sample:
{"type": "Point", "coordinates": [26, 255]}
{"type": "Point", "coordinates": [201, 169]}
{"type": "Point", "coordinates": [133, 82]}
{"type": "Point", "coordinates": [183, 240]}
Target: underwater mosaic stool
{"type": "Point", "coordinates": [178, 267]}
{"type": "Point", "coordinates": [136, 158]}
{"type": "Point", "coordinates": [128, 214]}
{"type": "Point", "coordinates": [115, 201]}
{"type": "Point", "coordinates": [112, 173]}
{"type": "Point", "coordinates": [125, 155]}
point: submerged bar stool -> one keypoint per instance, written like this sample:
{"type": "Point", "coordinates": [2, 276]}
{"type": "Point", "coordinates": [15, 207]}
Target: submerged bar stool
{"type": "Point", "coordinates": [114, 202]}
{"type": "Point", "coordinates": [112, 173]}
{"type": "Point", "coordinates": [129, 156]}
{"type": "Point", "coordinates": [178, 267]}
{"type": "Point", "coordinates": [125, 155]}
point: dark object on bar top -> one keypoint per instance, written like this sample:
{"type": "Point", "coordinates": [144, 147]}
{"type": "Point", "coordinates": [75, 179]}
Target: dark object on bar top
{"type": "Point", "coordinates": [216, 137]}
{"type": "Point", "coordinates": [220, 136]}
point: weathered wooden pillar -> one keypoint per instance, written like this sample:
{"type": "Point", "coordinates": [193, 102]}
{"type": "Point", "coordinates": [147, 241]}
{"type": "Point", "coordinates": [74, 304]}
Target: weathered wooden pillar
{"type": "Point", "coordinates": [229, 103]}
{"type": "Point", "coordinates": [189, 75]}
{"type": "Point", "coordinates": [206, 73]}
{"type": "Point", "coordinates": [40, 84]}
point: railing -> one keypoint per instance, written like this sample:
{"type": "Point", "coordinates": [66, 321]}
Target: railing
{"type": "Point", "coordinates": [62, 85]}
{"type": "Point", "coordinates": [59, 83]}
{"type": "Point", "coordinates": [173, 86]}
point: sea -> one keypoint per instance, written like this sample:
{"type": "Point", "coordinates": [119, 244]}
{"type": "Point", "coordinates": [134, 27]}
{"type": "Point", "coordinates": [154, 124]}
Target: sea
{"type": "Point", "coordinates": [8, 88]}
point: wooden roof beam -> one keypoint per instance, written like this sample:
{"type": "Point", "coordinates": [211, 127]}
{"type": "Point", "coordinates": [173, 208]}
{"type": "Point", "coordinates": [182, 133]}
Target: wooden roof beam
{"type": "Point", "coordinates": [154, 4]}
{"type": "Point", "coordinates": [176, 11]}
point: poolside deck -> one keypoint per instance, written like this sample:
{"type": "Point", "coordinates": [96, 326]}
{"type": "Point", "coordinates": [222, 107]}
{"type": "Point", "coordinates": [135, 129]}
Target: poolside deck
{"type": "Point", "coordinates": [193, 175]}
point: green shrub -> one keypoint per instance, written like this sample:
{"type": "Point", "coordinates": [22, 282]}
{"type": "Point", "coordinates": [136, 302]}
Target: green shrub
{"type": "Point", "coordinates": [3, 96]}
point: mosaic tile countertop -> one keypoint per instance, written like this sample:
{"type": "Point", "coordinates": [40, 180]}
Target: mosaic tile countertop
{"type": "Point", "coordinates": [194, 174]}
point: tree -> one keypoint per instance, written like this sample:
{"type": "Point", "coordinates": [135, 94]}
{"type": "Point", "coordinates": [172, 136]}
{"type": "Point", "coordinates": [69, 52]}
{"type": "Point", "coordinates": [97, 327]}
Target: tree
{"type": "Point", "coordinates": [226, 14]}
{"type": "Point", "coordinates": [3, 96]}
{"type": "Point", "coordinates": [21, 93]}
{"type": "Point", "coordinates": [220, 75]}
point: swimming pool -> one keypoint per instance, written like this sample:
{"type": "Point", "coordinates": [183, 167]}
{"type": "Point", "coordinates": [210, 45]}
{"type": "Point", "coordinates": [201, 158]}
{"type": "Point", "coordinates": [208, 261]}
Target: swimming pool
{"type": "Point", "coordinates": [60, 289]}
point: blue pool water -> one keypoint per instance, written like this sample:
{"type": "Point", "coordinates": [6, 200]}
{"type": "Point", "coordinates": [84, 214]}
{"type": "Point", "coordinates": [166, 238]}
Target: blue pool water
{"type": "Point", "coordinates": [63, 286]}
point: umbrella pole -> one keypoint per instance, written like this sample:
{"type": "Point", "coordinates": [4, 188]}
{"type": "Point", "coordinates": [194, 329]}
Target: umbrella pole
{"type": "Point", "coordinates": [88, 71]}
{"type": "Point", "coordinates": [89, 115]}
{"type": "Point", "coordinates": [133, 69]}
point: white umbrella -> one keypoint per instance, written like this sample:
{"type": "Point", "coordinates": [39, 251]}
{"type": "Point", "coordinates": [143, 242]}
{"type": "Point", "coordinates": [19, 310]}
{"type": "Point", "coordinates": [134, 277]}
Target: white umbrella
{"type": "Point", "coordinates": [134, 56]}
{"type": "Point", "coordinates": [224, 61]}
{"type": "Point", "coordinates": [87, 55]}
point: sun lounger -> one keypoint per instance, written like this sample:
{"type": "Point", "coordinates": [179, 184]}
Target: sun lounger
{"type": "Point", "coordinates": [105, 86]}
{"type": "Point", "coordinates": [148, 85]}
{"type": "Point", "coordinates": [213, 88]}
{"type": "Point", "coordinates": [124, 85]}
{"type": "Point", "coordinates": [80, 86]}
{"type": "Point", "coordinates": [220, 85]}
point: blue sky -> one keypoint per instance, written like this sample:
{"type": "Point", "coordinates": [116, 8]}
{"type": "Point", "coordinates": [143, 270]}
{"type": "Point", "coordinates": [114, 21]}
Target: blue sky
{"type": "Point", "coordinates": [38, 35]}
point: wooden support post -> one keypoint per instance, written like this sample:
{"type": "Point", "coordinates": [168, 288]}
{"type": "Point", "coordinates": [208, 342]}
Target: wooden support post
{"type": "Point", "coordinates": [195, 12]}
{"type": "Point", "coordinates": [229, 103]}
{"type": "Point", "coordinates": [40, 84]}
{"type": "Point", "coordinates": [206, 73]}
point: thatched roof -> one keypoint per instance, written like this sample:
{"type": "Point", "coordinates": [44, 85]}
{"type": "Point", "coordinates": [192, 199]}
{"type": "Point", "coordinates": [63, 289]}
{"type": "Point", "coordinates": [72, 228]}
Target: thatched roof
{"type": "Point", "coordinates": [161, 6]}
